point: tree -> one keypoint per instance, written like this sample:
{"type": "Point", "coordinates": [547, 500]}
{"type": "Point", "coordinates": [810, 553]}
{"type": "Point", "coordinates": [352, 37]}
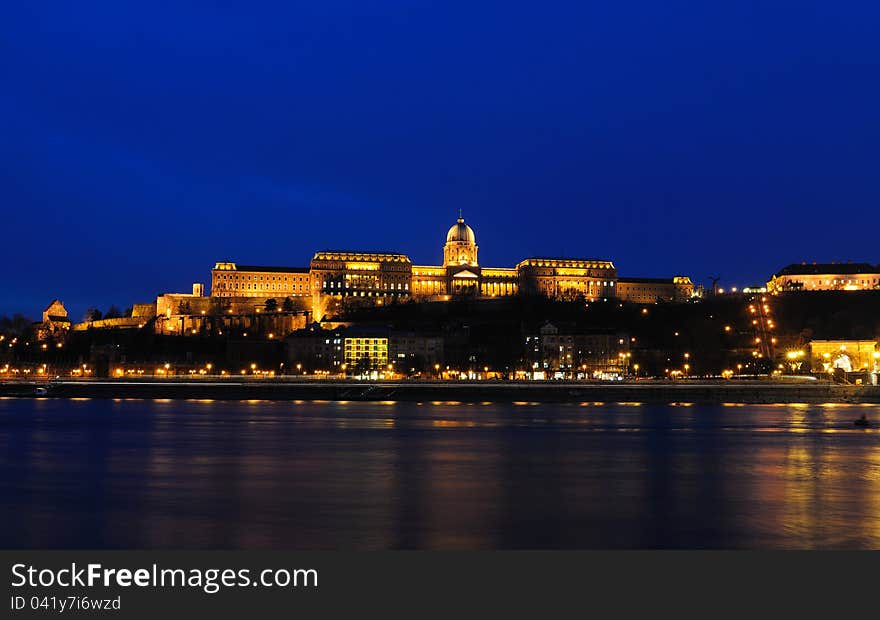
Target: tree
{"type": "Point", "coordinates": [573, 295]}
{"type": "Point", "coordinates": [18, 324]}
{"type": "Point", "coordinates": [363, 365]}
{"type": "Point", "coordinates": [287, 305]}
{"type": "Point", "coordinates": [92, 314]}
{"type": "Point", "coordinates": [271, 304]}
{"type": "Point", "coordinates": [128, 311]}
{"type": "Point", "coordinates": [113, 313]}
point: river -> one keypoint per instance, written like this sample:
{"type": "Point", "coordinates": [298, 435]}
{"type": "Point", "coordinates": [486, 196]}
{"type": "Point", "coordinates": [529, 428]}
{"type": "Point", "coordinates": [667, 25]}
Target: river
{"type": "Point", "coordinates": [176, 474]}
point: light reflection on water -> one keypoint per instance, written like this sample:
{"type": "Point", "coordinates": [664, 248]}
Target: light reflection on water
{"type": "Point", "coordinates": [305, 475]}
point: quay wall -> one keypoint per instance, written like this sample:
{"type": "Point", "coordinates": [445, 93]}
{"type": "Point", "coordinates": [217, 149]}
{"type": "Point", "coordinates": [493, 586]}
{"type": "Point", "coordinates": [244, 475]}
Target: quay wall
{"type": "Point", "coordinates": [281, 389]}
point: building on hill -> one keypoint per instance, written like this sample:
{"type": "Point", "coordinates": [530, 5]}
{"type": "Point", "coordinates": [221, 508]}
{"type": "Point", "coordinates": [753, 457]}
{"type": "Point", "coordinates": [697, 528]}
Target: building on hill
{"type": "Point", "coordinates": [55, 324]}
{"type": "Point", "coordinates": [232, 280]}
{"type": "Point", "coordinates": [341, 277]}
{"type": "Point", "coordinates": [360, 274]}
{"type": "Point", "coordinates": [652, 290]}
{"type": "Point", "coordinates": [275, 300]}
{"type": "Point", "coordinates": [56, 312]}
{"type": "Point", "coordinates": [144, 311]}
{"type": "Point", "coordinates": [561, 278]}
{"type": "Point", "coordinates": [825, 277]}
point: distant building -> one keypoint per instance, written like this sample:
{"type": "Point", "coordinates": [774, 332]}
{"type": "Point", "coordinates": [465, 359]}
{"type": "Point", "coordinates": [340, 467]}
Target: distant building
{"type": "Point", "coordinates": [360, 274]}
{"type": "Point", "coordinates": [414, 351]}
{"type": "Point", "coordinates": [560, 278]}
{"type": "Point", "coordinates": [144, 311]}
{"type": "Point", "coordinates": [55, 312]}
{"type": "Point", "coordinates": [344, 276]}
{"type": "Point", "coordinates": [315, 348]}
{"type": "Point", "coordinates": [232, 280]}
{"type": "Point", "coordinates": [373, 347]}
{"type": "Point", "coordinates": [652, 290]}
{"type": "Point", "coordinates": [365, 350]}
{"type": "Point", "coordinates": [847, 355]}
{"type": "Point", "coordinates": [55, 324]}
{"type": "Point", "coordinates": [569, 349]}
{"type": "Point", "coordinates": [825, 277]}
{"type": "Point", "coordinates": [172, 304]}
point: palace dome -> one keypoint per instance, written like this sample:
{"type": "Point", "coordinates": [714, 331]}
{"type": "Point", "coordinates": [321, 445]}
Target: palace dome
{"type": "Point", "coordinates": [461, 232]}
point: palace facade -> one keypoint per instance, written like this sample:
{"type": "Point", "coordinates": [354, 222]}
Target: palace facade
{"type": "Point", "coordinates": [382, 276]}
{"type": "Point", "coordinates": [651, 290]}
{"type": "Point", "coordinates": [231, 280]}
{"type": "Point", "coordinates": [825, 277]}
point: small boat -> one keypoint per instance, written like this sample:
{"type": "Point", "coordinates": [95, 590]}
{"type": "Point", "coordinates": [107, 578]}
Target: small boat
{"type": "Point", "coordinates": [862, 422]}
{"type": "Point", "coordinates": [40, 391]}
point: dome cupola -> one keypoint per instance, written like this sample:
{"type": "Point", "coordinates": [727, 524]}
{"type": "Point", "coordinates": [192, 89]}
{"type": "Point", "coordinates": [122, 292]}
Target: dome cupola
{"type": "Point", "coordinates": [461, 232]}
{"type": "Point", "coordinates": [461, 245]}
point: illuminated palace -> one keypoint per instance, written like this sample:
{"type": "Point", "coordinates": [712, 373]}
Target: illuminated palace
{"type": "Point", "coordinates": [825, 277]}
{"type": "Point", "coordinates": [379, 276]}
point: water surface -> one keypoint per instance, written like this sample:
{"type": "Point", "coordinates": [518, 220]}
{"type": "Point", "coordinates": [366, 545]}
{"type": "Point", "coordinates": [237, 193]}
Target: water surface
{"type": "Point", "coordinates": [400, 475]}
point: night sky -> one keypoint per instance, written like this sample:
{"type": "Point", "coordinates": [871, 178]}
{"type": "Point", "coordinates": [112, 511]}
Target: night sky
{"type": "Point", "coordinates": [140, 144]}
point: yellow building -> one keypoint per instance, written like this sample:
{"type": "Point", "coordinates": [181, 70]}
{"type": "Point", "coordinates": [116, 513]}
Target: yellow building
{"type": "Point", "coordinates": [848, 355]}
{"type": "Point", "coordinates": [365, 353]}
{"type": "Point", "coordinates": [428, 281]}
{"type": "Point", "coordinates": [461, 245]}
{"type": "Point", "coordinates": [232, 280]}
{"type": "Point", "coordinates": [561, 278]}
{"type": "Point", "coordinates": [360, 274]}
{"type": "Point", "coordinates": [652, 290]}
{"type": "Point", "coordinates": [461, 273]}
{"type": "Point", "coordinates": [334, 277]}
{"type": "Point", "coordinates": [499, 282]}
{"type": "Point", "coordinates": [55, 323]}
{"type": "Point", "coordinates": [825, 277]}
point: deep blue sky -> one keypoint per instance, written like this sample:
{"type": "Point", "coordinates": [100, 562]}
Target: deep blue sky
{"type": "Point", "coordinates": [140, 144]}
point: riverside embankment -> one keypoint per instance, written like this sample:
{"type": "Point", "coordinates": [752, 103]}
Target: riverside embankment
{"type": "Point", "coordinates": [488, 391]}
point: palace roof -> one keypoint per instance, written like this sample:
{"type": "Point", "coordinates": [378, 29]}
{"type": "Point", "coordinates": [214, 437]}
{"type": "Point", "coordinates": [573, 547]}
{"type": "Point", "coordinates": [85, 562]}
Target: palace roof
{"type": "Point", "coordinates": [272, 269]}
{"type": "Point", "coordinates": [803, 269]}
